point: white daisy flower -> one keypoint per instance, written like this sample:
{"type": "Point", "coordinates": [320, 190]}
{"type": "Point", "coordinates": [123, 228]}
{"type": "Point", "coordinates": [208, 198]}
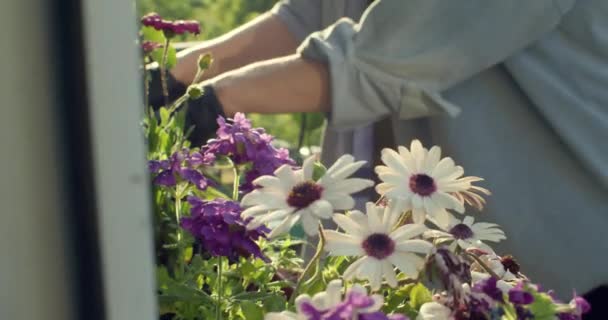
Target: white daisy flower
{"type": "Point", "coordinates": [293, 194]}
{"type": "Point", "coordinates": [380, 247]}
{"type": "Point", "coordinates": [425, 183]}
{"type": "Point", "coordinates": [434, 311]}
{"type": "Point", "coordinates": [325, 303]}
{"type": "Point", "coordinates": [467, 234]}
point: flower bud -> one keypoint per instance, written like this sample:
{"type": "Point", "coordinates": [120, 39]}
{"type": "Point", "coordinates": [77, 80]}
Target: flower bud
{"type": "Point", "coordinates": [195, 92]}
{"type": "Point", "coordinates": [204, 61]}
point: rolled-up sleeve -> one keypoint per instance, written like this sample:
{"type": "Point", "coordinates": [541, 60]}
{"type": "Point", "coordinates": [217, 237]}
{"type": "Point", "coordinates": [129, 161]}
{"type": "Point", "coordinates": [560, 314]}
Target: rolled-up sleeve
{"type": "Point", "coordinates": [402, 54]}
{"type": "Point", "coordinates": [302, 17]}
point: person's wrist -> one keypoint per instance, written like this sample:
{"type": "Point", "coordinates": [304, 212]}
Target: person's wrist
{"type": "Point", "coordinates": [222, 92]}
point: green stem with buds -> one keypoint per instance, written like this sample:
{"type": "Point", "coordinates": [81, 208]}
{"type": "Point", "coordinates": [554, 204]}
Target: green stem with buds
{"type": "Point", "coordinates": [163, 72]}
{"type": "Point", "coordinates": [310, 264]}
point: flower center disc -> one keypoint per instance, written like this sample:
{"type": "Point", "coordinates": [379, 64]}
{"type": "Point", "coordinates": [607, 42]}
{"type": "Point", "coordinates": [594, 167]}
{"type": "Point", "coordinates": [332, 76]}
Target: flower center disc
{"type": "Point", "coordinates": [422, 184]}
{"type": "Point", "coordinates": [379, 245]}
{"type": "Point", "coordinates": [303, 194]}
{"type": "Point", "coordinates": [461, 231]}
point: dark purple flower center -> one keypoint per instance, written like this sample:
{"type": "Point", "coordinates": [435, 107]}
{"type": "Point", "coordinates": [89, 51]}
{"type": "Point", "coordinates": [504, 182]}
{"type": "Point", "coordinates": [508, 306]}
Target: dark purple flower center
{"type": "Point", "coordinates": [509, 263]}
{"type": "Point", "coordinates": [422, 184]}
{"type": "Point", "coordinates": [461, 231]}
{"type": "Point", "coordinates": [379, 245]}
{"type": "Point", "coordinates": [303, 194]}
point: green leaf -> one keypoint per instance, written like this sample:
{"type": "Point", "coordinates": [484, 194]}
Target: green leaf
{"type": "Point", "coordinates": [275, 303]}
{"type": "Point", "coordinates": [252, 311]}
{"type": "Point", "coordinates": [165, 116]}
{"type": "Point", "coordinates": [419, 296]}
{"type": "Point", "coordinates": [543, 307]}
{"type": "Point", "coordinates": [318, 170]}
{"type": "Point", "coordinates": [251, 296]}
{"type": "Point", "coordinates": [154, 35]}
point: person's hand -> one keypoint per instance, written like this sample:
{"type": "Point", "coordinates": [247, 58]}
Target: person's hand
{"type": "Point", "coordinates": [202, 113]}
{"type": "Point", "coordinates": [156, 98]}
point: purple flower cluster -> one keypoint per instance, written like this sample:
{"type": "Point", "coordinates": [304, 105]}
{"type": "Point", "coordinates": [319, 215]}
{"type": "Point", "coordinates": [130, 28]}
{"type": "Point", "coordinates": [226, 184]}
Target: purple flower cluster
{"type": "Point", "coordinates": [149, 46]}
{"type": "Point", "coordinates": [484, 299]}
{"type": "Point", "coordinates": [155, 21]}
{"type": "Point", "coordinates": [348, 309]}
{"type": "Point", "coordinates": [245, 145]}
{"type": "Point", "coordinates": [218, 226]}
{"type": "Point", "coordinates": [180, 166]}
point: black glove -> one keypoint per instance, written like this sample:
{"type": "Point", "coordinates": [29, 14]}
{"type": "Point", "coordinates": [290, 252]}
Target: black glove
{"type": "Point", "coordinates": [175, 89]}
{"type": "Point", "coordinates": [202, 113]}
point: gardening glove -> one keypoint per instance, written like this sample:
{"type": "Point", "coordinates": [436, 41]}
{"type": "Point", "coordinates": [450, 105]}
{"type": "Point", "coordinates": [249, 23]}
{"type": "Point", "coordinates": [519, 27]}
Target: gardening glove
{"type": "Point", "coordinates": [175, 89]}
{"type": "Point", "coordinates": [202, 113]}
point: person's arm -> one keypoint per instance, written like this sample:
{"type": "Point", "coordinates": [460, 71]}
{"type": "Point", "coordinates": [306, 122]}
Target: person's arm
{"type": "Point", "coordinates": [265, 37]}
{"type": "Point", "coordinates": [396, 61]}
{"type": "Point", "coordinates": [287, 84]}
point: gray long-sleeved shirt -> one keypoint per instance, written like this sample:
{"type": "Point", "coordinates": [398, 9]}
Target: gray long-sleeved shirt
{"type": "Point", "coordinates": [516, 91]}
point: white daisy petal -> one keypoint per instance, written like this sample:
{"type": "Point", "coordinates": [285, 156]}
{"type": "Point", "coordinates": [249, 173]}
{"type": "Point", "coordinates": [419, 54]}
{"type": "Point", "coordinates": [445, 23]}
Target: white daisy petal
{"type": "Point", "coordinates": [253, 211]}
{"type": "Point", "coordinates": [268, 182]}
{"type": "Point", "coordinates": [372, 271]}
{"type": "Point", "coordinates": [389, 273]}
{"type": "Point", "coordinates": [351, 185]}
{"type": "Point", "coordinates": [431, 160]}
{"type": "Point", "coordinates": [340, 244]}
{"type": "Point", "coordinates": [284, 226]}
{"type": "Point", "coordinates": [322, 209]}
{"type": "Point", "coordinates": [310, 223]}
{"type": "Point", "coordinates": [393, 161]}
{"type": "Point", "coordinates": [407, 263]}
{"type": "Point", "coordinates": [352, 270]}
{"type": "Point", "coordinates": [307, 168]}
{"type": "Point", "coordinates": [468, 220]}
{"type": "Point", "coordinates": [374, 219]}
{"type": "Point", "coordinates": [418, 154]}
{"type": "Point", "coordinates": [340, 201]}
{"type": "Point", "coordinates": [406, 156]}
{"type": "Point", "coordinates": [416, 246]}
{"type": "Point", "coordinates": [348, 224]}
{"type": "Point", "coordinates": [444, 168]}
{"type": "Point", "coordinates": [347, 170]}
{"type": "Point", "coordinates": [263, 219]}
{"type": "Point", "coordinates": [407, 231]}
{"type": "Point", "coordinates": [341, 162]}
{"type": "Point", "coordinates": [286, 175]}
{"type": "Point", "coordinates": [418, 215]}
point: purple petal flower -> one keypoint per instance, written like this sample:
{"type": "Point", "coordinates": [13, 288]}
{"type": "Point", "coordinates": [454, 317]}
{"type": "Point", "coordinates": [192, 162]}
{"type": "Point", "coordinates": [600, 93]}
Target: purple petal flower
{"type": "Point", "coordinates": [149, 46]}
{"type": "Point", "coordinates": [155, 21]}
{"type": "Point", "coordinates": [220, 229]}
{"type": "Point", "coordinates": [520, 296]}
{"type": "Point", "coordinates": [243, 144]}
{"type": "Point", "coordinates": [181, 166]}
{"type": "Point", "coordinates": [165, 178]}
{"type": "Point", "coordinates": [488, 287]}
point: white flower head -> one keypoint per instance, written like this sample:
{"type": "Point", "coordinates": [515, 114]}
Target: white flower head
{"type": "Point", "coordinates": [292, 195]}
{"type": "Point", "coordinates": [467, 234]}
{"type": "Point", "coordinates": [324, 302]}
{"type": "Point", "coordinates": [425, 183]}
{"type": "Point", "coordinates": [434, 311]}
{"type": "Point", "coordinates": [372, 238]}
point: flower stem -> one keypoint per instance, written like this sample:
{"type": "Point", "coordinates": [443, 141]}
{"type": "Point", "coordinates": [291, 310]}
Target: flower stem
{"type": "Point", "coordinates": [482, 264]}
{"type": "Point", "coordinates": [163, 72]}
{"type": "Point", "coordinates": [235, 184]}
{"type": "Point", "coordinates": [146, 89]}
{"type": "Point", "coordinates": [310, 264]}
{"type": "Point", "coordinates": [218, 311]}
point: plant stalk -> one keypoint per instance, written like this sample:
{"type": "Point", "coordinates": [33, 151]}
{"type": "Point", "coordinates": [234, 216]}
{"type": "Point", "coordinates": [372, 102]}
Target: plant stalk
{"type": "Point", "coordinates": [310, 264]}
{"type": "Point", "coordinates": [163, 72]}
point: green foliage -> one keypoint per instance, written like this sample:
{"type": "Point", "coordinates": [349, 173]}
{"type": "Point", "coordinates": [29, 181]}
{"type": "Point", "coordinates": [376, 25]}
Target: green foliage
{"type": "Point", "coordinates": [151, 34]}
{"type": "Point", "coordinates": [218, 17]}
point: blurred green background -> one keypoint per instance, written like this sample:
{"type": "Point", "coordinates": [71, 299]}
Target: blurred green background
{"type": "Point", "coordinates": [218, 17]}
